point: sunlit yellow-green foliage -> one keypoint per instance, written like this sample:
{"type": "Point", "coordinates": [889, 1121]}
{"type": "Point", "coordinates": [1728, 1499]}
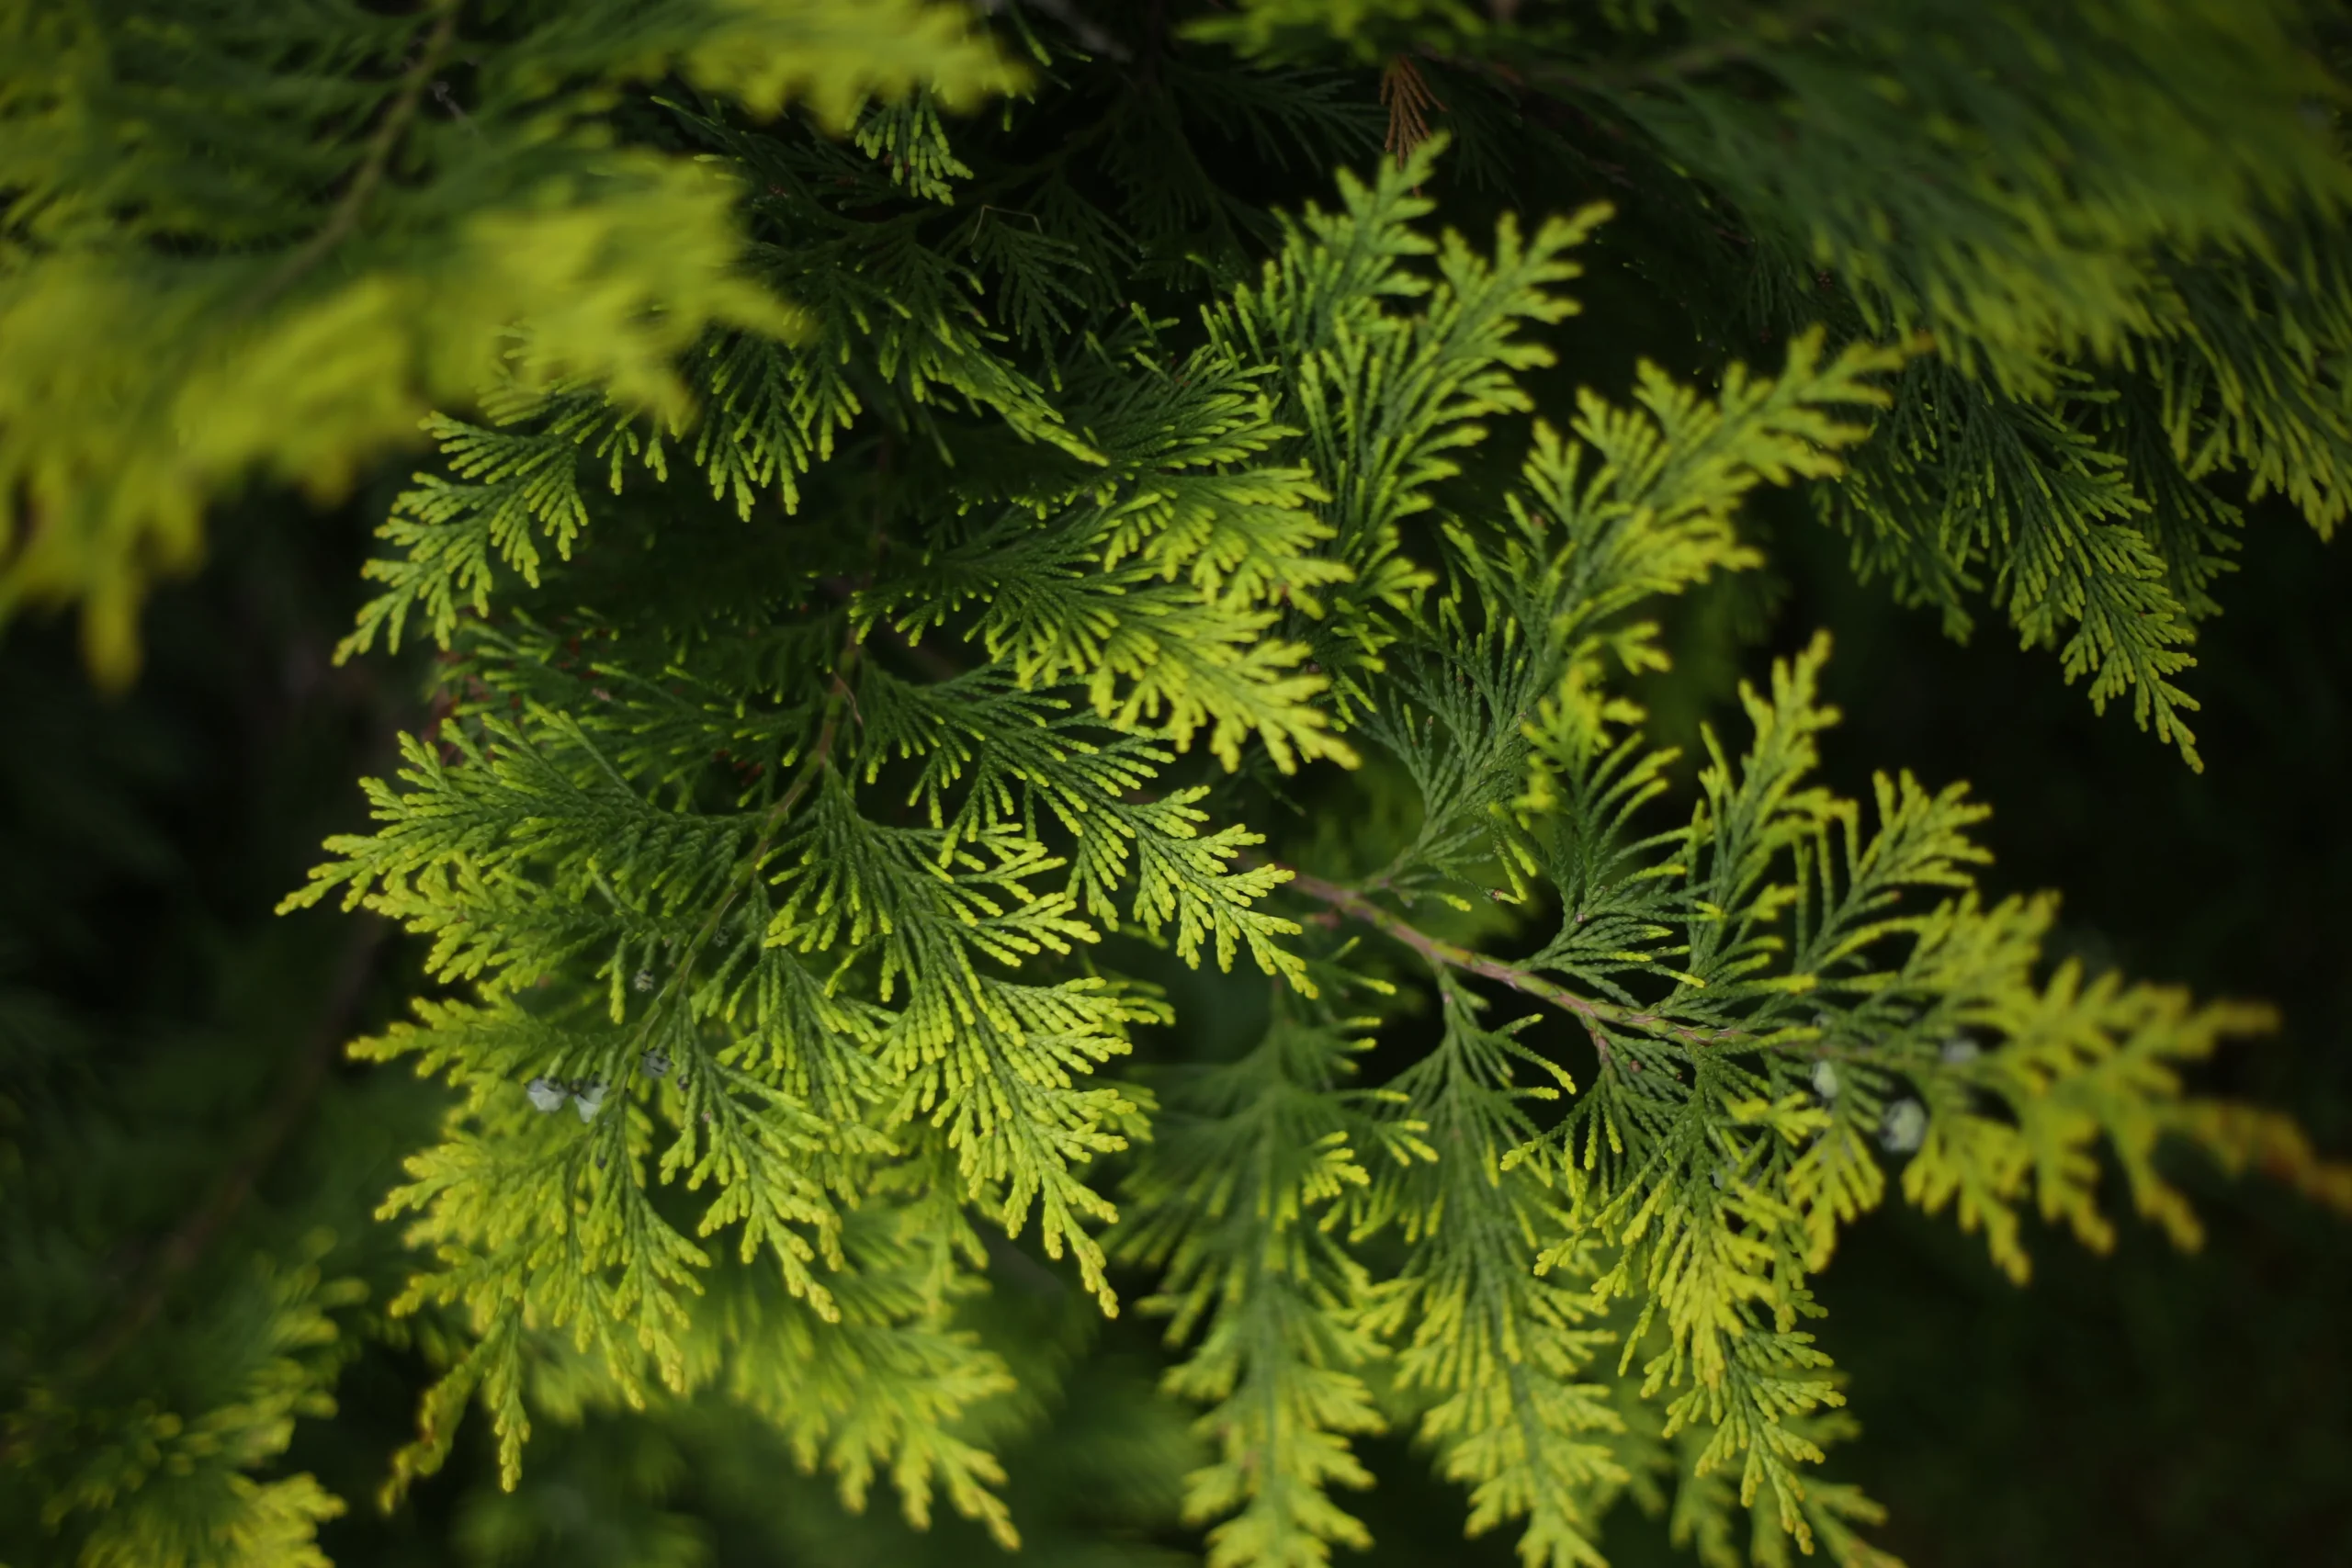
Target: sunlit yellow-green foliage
{"type": "Point", "coordinates": [862, 962]}
{"type": "Point", "coordinates": [167, 1487]}
{"type": "Point", "coordinates": [844, 733]}
{"type": "Point", "coordinates": [246, 242]}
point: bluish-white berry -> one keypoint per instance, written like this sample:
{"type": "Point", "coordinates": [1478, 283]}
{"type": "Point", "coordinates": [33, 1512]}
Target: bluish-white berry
{"type": "Point", "coordinates": [1825, 1079]}
{"type": "Point", "coordinates": [1904, 1127]}
{"type": "Point", "coordinates": [547, 1094]}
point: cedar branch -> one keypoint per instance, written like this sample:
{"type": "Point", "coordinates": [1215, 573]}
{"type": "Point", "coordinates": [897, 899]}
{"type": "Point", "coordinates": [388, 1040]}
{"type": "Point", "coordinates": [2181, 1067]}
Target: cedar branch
{"type": "Point", "coordinates": [1596, 1016]}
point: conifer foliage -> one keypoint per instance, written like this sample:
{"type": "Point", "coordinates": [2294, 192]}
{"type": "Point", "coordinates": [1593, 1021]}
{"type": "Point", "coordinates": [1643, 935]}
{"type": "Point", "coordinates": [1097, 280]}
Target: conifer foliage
{"type": "Point", "coordinates": [345, 209]}
{"type": "Point", "coordinates": [911, 585]}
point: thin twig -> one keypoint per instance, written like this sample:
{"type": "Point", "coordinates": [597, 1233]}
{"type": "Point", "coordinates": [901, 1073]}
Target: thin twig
{"type": "Point", "coordinates": [374, 161]}
{"type": "Point", "coordinates": [1442, 954]}
{"type": "Point", "coordinates": [930, 661]}
{"type": "Point", "coordinates": [1733, 48]}
{"type": "Point", "coordinates": [187, 1243]}
{"type": "Point", "coordinates": [1708, 54]}
{"type": "Point", "coordinates": [819, 759]}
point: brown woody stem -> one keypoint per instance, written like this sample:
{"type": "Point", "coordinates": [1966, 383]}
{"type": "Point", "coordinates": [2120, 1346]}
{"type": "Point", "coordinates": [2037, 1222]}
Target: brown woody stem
{"type": "Point", "coordinates": [1596, 1016]}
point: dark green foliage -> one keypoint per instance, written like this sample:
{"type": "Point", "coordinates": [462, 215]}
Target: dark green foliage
{"type": "Point", "coordinates": [1079, 716]}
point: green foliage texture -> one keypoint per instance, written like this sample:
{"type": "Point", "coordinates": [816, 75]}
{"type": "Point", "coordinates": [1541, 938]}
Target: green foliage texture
{"type": "Point", "coordinates": [947, 530]}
